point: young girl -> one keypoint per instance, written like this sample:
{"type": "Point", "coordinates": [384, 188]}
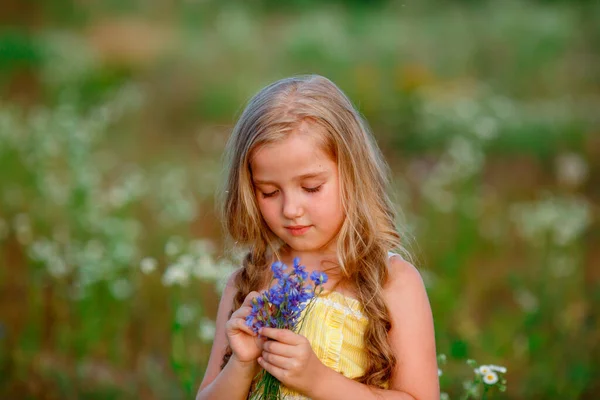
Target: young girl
{"type": "Point", "coordinates": [307, 180]}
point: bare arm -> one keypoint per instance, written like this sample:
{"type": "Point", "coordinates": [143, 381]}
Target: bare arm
{"type": "Point", "coordinates": [413, 341]}
{"type": "Point", "coordinates": [290, 358]}
{"type": "Point", "coordinates": [233, 382]}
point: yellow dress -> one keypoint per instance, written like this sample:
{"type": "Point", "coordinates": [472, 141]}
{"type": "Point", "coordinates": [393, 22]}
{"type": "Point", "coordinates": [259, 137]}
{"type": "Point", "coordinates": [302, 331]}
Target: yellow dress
{"type": "Point", "coordinates": [335, 328]}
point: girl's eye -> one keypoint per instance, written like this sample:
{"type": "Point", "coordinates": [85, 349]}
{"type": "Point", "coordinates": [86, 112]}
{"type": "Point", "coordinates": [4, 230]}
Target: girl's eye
{"type": "Point", "coordinates": [265, 195]}
{"type": "Point", "coordinates": [313, 190]}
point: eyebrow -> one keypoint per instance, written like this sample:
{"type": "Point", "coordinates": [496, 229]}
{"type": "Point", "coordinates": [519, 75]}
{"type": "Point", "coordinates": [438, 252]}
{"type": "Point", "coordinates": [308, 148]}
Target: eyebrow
{"type": "Point", "coordinates": [297, 178]}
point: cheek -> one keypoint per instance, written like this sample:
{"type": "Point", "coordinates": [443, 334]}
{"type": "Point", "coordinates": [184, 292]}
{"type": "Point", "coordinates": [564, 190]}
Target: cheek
{"type": "Point", "coordinates": [330, 204]}
{"type": "Point", "coordinates": [268, 209]}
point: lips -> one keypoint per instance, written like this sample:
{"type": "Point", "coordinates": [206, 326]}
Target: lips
{"type": "Point", "coordinates": [297, 230]}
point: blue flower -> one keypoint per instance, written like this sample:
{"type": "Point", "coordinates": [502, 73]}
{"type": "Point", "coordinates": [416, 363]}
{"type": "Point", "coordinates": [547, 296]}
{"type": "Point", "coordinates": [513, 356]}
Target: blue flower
{"type": "Point", "coordinates": [300, 270]}
{"type": "Point", "coordinates": [283, 303]}
{"type": "Point", "coordinates": [318, 277]}
{"type": "Point", "coordinates": [275, 295]}
{"type": "Point", "coordinates": [278, 267]}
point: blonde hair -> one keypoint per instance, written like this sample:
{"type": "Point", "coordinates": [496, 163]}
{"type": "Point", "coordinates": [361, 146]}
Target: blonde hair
{"type": "Point", "coordinates": [368, 231]}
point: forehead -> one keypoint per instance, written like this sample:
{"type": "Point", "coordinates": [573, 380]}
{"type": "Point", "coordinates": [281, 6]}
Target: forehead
{"type": "Point", "coordinates": [298, 154]}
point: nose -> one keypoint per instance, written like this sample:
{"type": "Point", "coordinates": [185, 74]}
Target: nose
{"type": "Point", "coordinates": [292, 209]}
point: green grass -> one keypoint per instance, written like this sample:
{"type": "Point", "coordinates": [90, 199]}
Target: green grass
{"type": "Point", "coordinates": [485, 112]}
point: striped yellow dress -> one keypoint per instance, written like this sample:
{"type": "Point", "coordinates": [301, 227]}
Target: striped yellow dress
{"type": "Point", "coordinates": [335, 328]}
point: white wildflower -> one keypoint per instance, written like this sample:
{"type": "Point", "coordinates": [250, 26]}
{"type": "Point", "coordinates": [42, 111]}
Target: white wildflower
{"type": "Point", "coordinates": [176, 275]}
{"type": "Point", "coordinates": [466, 109]}
{"type": "Point", "coordinates": [148, 265]}
{"type": "Point", "coordinates": [486, 128]}
{"type": "Point", "coordinates": [173, 246]}
{"type": "Point", "coordinates": [121, 289]}
{"type": "Point", "coordinates": [565, 219]}
{"type": "Point", "coordinates": [526, 300]}
{"type": "Point", "coordinates": [498, 368]}
{"type": "Point", "coordinates": [444, 396]}
{"type": "Point", "coordinates": [471, 388]}
{"type": "Point", "coordinates": [440, 198]}
{"type": "Point", "coordinates": [42, 250]}
{"type": "Point", "coordinates": [124, 252]}
{"type": "Point", "coordinates": [483, 370]}
{"type": "Point", "coordinates": [117, 196]}
{"type": "Point", "coordinates": [206, 330]}
{"type": "Point", "coordinates": [57, 268]}
{"type": "Point", "coordinates": [440, 372]}
{"type": "Point", "coordinates": [576, 218]}
{"type": "Point", "coordinates": [205, 268]}
{"type": "Point", "coordinates": [571, 169]}
{"type": "Point", "coordinates": [22, 226]}
{"type": "Point", "coordinates": [490, 378]}
{"type": "Point", "coordinates": [466, 156]}
{"type": "Point", "coordinates": [185, 314]}
{"type": "Point", "coordinates": [201, 246]}
{"type": "Point", "coordinates": [186, 261]}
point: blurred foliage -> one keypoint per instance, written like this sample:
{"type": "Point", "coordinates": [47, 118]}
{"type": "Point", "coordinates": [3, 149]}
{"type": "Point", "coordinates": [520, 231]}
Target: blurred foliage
{"type": "Point", "coordinates": [113, 119]}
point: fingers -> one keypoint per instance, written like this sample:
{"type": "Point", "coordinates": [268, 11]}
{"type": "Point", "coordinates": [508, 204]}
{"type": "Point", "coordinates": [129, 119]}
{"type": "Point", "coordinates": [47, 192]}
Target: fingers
{"type": "Point", "coordinates": [248, 300]}
{"type": "Point", "coordinates": [281, 335]}
{"type": "Point", "coordinates": [241, 312]}
{"type": "Point", "coordinates": [274, 370]}
{"type": "Point", "coordinates": [246, 306]}
{"type": "Point", "coordinates": [239, 324]}
{"type": "Point", "coordinates": [278, 361]}
{"type": "Point", "coordinates": [278, 348]}
{"type": "Point", "coordinates": [237, 321]}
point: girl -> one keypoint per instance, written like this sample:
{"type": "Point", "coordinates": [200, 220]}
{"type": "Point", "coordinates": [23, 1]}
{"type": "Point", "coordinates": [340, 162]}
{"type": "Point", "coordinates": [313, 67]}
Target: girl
{"type": "Point", "coordinates": [307, 180]}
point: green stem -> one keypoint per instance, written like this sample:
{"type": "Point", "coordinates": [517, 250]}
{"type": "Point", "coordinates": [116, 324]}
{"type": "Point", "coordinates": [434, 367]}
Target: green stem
{"type": "Point", "coordinates": [484, 395]}
{"type": "Point", "coordinates": [267, 388]}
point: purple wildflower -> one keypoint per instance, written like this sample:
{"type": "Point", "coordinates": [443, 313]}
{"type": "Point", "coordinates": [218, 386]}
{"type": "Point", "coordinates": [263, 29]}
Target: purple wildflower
{"type": "Point", "coordinates": [282, 304]}
{"type": "Point", "coordinates": [300, 270]}
{"type": "Point", "coordinates": [278, 267]}
{"type": "Point", "coordinates": [318, 277]}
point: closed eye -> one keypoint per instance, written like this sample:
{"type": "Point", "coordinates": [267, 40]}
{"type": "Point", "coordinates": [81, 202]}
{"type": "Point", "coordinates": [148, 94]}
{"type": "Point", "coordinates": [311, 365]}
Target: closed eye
{"type": "Point", "coordinates": [313, 190]}
{"type": "Point", "coordinates": [265, 195]}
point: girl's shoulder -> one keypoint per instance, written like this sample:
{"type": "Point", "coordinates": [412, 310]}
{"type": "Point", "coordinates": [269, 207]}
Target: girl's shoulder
{"type": "Point", "coordinates": [403, 277]}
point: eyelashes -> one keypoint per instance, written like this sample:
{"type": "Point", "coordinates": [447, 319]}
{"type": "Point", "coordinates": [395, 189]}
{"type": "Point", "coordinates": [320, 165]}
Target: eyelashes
{"type": "Point", "coordinates": [309, 190]}
{"type": "Point", "coordinates": [266, 195]}
{"type": "Point", "coordinates": [313, 190]}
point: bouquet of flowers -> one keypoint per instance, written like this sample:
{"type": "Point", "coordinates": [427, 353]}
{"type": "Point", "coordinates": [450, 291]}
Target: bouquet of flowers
{"type": "Point", "coordinates": [281, 306]}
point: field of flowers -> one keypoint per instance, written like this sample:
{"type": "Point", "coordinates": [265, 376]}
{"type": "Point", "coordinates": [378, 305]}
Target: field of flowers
{"type": "Point", "coordinates": [113, 118]}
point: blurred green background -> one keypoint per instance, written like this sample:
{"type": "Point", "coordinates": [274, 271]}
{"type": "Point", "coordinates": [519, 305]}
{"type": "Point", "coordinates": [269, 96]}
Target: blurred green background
{"type": "Point", "coordinates": [113, 119]}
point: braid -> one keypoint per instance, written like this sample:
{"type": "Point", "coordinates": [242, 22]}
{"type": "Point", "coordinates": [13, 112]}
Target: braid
{"type": "Point", "coordinates": [248, 279]}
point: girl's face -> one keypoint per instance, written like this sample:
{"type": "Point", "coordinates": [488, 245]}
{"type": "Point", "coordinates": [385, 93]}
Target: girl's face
{"type": "Point", "coordinates": [297, 188]}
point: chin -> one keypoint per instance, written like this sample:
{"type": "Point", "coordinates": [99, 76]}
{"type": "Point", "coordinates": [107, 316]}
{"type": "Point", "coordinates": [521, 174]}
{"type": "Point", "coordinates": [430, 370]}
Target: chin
{"type": "Point", "coordinates": [300, 245]}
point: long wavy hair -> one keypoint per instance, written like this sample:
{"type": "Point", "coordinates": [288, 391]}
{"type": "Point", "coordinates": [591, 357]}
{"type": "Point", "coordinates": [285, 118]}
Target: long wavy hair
{"type": "Point", "coordinates": [368, 231]}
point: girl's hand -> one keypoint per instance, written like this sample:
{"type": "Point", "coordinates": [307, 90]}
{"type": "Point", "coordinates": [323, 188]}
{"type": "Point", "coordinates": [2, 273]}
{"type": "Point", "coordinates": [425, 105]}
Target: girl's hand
{"type": "Point", "coordinates": [290, 359]}
{"type": "Point", "coordinates": [245, 344]}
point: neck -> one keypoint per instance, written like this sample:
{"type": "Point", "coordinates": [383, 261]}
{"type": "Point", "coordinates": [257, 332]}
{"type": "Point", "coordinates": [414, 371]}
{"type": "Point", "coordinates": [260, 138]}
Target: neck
{"type": "Point", "coordinates": [325, 261]}
{"type": "Point", "coordinates": [312, 260]}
